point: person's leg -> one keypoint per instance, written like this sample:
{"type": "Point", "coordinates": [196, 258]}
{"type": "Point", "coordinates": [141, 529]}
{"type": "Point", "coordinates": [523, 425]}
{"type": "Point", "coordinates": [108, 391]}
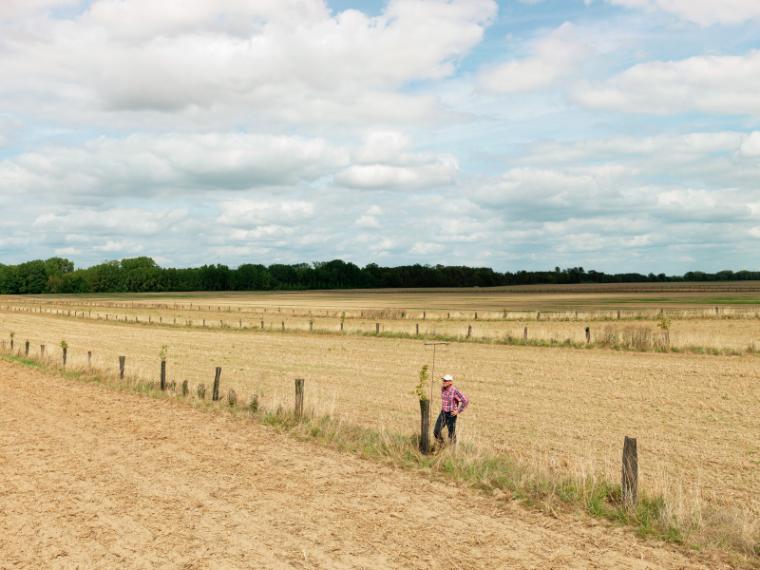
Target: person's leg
{"type": "Point", "coordinates": [439, 427]}
{"type": "Point", "coordinates": [451, 423]}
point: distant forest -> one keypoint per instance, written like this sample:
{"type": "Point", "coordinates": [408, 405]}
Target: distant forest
{"type": "Point", "coordinates": [142, 274]}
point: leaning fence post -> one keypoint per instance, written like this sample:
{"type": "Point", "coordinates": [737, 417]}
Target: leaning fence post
{"type": "Point", "coordinates": [217, 379]}
{"type": "Point", "coordinates": [163, 374]}
{"type": "Point", "coordinates": [122, 364]}
{"type": "Point", "coordinates": [425, 426]}
{"type": "Point", "coordinates": [299, 398]}
{"type": "Point", "coordinates": [630, 479]}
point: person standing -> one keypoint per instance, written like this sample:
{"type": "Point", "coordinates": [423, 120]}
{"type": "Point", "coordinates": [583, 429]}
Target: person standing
{"type": "Point", "coordinates": [453, 403]}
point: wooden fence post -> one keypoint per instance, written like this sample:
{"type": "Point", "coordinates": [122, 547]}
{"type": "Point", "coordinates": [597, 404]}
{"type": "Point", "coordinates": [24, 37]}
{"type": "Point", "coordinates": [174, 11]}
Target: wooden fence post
{"type": "Point", "coordinates": [588, 335]}
{"type": "Point", "coordinates": [299, 398]}
{"type": "Point", "coordinates": [424, 315]}
{"type": "Point", "coordinates": [417, 329]}
{"type": "Point", "coordinates": [618, 314]}
{"type": "Point", "coordinates": [341, 326]}
{"type": "Point", "coordinates": [283, 326]}
{"type": "Point", "coordinates": [311, 326]}
{"type": "Point", "coordinates": [65, 355]}
{"type": "Point", "coordinates": [630, 479]}
{"type": "Point", "coordinates": [42, 351]}
{"type": "Point", "coordinates": [122, 365]}
{"type": "Point", "coordinates": [217, 379]}
{"type": "Point", "coordinates": [163, 375]}
{"type": "Point", "coordinates": [232, 398]}
{"type": "Point", "coordinates": [525, 333]}
{"type": "Point", "coordinates": [377, 328]}
{"type": "Point", "coordinates": [185, 388]}
{"type": "Point", "coordinates": [262, 325]}
{"type": "Point", "coordinates": [425, 426]}
{"type": "Point", "coordinates": [89, 360]}
{"type": "Point", "coordinates": [469, 331]}
{"type": "Point", "coordinates": [26, 348]}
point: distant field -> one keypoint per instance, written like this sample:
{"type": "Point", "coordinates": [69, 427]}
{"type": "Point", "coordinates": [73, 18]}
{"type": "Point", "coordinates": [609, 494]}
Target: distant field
{"type": "Point", "coordinates": [557, 408]}
{"type": "Point", "coordinates": [520, 298]}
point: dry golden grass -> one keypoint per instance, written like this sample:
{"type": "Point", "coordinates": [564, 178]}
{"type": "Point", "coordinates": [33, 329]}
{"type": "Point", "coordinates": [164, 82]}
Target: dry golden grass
{"type": "Point", "coordinates": [560, 410]}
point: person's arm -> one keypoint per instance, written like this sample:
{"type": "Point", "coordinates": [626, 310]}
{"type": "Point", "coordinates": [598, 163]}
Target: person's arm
{"type": "Point", "coordinates": [463, 402]}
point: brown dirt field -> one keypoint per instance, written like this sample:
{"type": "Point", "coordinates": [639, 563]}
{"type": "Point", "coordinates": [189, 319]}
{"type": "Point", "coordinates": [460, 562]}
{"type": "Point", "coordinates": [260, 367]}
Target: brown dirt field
{"type": "Point", "coordinates": [562, 409]}
{"type": "Point", "coordinates": [101, 479]}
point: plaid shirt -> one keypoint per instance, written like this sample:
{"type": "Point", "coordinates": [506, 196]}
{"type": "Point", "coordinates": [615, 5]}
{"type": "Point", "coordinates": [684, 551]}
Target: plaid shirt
{"type": "Point", "coordinates": [452, 399]}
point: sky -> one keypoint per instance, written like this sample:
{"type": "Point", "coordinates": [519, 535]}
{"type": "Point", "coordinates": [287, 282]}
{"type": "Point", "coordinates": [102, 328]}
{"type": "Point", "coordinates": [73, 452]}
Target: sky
{"type": "Point", "coordinates": [618, 135]}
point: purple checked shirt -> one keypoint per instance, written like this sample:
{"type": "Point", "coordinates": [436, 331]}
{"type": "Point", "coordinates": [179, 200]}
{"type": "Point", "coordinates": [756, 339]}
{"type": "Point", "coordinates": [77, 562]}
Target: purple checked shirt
{"type": "Point", "coordinates": [452, 399]}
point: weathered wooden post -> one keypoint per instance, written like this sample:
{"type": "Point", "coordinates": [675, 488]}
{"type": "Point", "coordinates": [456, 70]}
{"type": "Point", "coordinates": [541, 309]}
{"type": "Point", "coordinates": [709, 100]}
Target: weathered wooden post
{"type": "Point", "coordinates": [42, 352]}
{"type": "Point", "coordinates": [122, 366]}
{"type": "Point", "coordinates": [630, 479]}
{"type": "Point", "coordinates": [525, 333]}
{"type": "Point", "coordinates": [377, 328]}
{"type": "Point", "coordinates": [217, 380]}
{"type": "Point", "coordinates": [469, 331]}
{"type": "Point", "coordinates": [163, 374]}
{"type": "Point", "coordinates": [424, 315]}
{"type": "Point", "coordinates": [185, 388]}
{"type": "Point", "coordinates": [201, 391]}
{"type": "Point", "coordinates": [26, 348]}
{"type": "Point", "coordinates": [476, 315]}
{"type": "Point", "coordinates": [232, 398]}
{"type": "Point", "coordinates": [425, 426]}
{"type": "Point", "coordinates": [588, 335]}
{"type": "Point", "coordinates": [64, 356]}
{"type": "Point", "coordinates": [299, 398]}
{"type": "Point", "coordinates": [538, 316]}
{"type": "Point", "coordinates": [89, 360]}
{"type": "Point", "coordinates": [283, 326]}
{"type": "Point", "coordinates": [417, 329]}
{"type": "Point", "coordinates": [311, 326]}
{"type": "Point", "coordinates": [262, 325]}
{"type": "Point", "coordinates": [204, 322]}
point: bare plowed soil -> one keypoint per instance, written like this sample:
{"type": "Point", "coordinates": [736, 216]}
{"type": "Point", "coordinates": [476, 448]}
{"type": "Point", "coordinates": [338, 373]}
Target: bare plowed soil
{"type": "Point", "coordinates": [93, 478]}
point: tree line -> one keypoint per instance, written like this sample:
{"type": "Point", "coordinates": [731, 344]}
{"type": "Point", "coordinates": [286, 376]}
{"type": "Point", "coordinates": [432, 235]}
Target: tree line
{"type": "Point", "coordinates": [143, 274]}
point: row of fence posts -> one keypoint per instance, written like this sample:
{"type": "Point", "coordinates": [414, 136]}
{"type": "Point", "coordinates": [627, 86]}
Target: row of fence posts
{"type": "Point", "coordinates": [630, 468]}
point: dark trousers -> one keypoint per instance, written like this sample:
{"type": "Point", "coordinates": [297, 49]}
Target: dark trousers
{"type": "Point", "coordinates": [451, 423]}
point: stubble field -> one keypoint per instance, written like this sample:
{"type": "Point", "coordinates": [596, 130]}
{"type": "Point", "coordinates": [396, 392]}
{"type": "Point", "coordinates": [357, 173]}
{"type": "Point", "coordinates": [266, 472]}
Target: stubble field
{"type": "Point", "coordinates": [557, 409]}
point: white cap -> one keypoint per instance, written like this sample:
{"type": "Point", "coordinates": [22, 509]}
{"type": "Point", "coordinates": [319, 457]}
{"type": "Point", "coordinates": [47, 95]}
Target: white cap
{"type": "Point", "coordinates": [447, 378]}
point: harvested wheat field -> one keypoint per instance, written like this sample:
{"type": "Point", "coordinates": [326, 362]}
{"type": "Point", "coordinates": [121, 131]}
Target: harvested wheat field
{"type": "Point", "coordinates": [94, 478]}
{"type": "Point", "coordinates": [558, 410]}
